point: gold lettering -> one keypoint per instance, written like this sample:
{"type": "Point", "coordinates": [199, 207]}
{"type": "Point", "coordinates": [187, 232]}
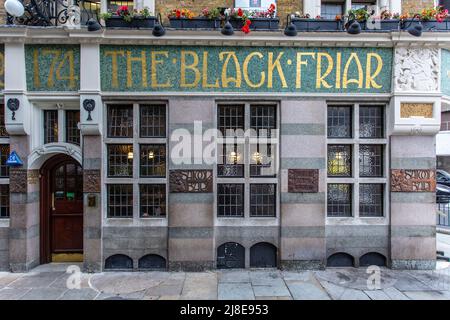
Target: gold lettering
{"type": "Point", "coordinates": [205, 73]}
{"type": "Point", "coordinates": [51, 71]}
{"type": "Point", "coordinates": [143, 61]}
{"type": "Point", "coordinates": [360, 79]}
{"type": "Point", "coordinates": [68, 56]}
{"type": "Point", "coordinates": [300, 63]}
{"type": "Point", "coordinates": [114, 54]}
{"type": "Point", "coordinates": [338, 70]}
{"type": "Point", "coordinates": [192, 66]}
{"type": "Point", "coordinates": [155, 63]}
{"type": "Point", "coordinates": [227, 55]}
{"type": "Point", "coordinates": [370, 78]}
{"type": "Point", "coordinates": [271, 66]}
{"type": "Point", "coordinates": [320, 78]}
{"type": "Point", "coordinates": [245, 71]}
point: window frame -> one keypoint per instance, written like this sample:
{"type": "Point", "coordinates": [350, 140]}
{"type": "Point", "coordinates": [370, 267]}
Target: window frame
{"type": "Point", "coordinates": [5, 140]}
{"type": "Point", "coordinates": [355, 180]}
{"type": "Point", "coordinates": [247, 179]}
{"type": "Point", "coordinates": [136, 180]}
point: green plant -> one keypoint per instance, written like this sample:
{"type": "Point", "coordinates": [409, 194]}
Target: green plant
{"type": "Point", "coordinates": [106, 15]}
{"type": "Point", "coordinates": [212, 14]}
{"type": "Point", "coordinates": [360, 14]}
{"type": "Point", "coordinates": [146, 13]}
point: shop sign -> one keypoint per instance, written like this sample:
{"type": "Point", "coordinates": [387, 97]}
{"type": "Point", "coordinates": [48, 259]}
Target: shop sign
{"type": "Point", "coordinates": [245, 69]}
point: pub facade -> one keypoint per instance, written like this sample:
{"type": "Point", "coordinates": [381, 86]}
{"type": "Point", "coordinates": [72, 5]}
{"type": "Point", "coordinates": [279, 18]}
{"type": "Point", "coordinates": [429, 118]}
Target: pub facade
{"type": "Point", "coordinates": [197, 150]}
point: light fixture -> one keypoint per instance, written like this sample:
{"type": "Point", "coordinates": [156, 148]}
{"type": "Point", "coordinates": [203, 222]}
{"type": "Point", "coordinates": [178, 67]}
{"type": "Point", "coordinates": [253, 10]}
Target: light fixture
{"type": "Point", "coordinates": [227, 29]}
{"type": "Point", "coordinates": [14, 8]}
{"type": "Point", "coordinates": [291, 29]}
{"type": "Point", "coordinates": [158, 29]}
{"type": "Point", "coordinates": [257, 157]}
{"type": "Point", "coordinates": [93, 25]}
{"type": "Point", "coordinates": [416, 30]}
{"type": "Point", "coordinates": [234, 157]}
{"type": "Point", "coordinates": [354, 27]}
{"type": "Point", "coordinates": [130, 155]}
{"type": "Point", "coordinates": [151, 155]}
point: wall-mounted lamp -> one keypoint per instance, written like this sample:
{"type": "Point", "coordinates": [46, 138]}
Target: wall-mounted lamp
{"type": "Point", "coordinates": [158, 29]}
{"type": "Point", "coordinates": [291, 29]}
{"type": "Point", "coordinates": [227, 29]}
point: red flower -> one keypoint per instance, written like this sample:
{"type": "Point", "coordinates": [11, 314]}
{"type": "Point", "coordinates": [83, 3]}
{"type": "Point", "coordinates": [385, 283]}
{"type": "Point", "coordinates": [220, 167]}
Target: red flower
{"type": "Point", "coordinates": [246, 28]}
{"type": "Point", "coordinates": [272, 7]}
{"type": "Point", "coordinates": [178, 13]}
{"type": "Point", "coordinates": [248, 22]}
{"type": "Point", "coordinates": [240, 13]}
{"type": "Point", "coordinates": [123, 10]}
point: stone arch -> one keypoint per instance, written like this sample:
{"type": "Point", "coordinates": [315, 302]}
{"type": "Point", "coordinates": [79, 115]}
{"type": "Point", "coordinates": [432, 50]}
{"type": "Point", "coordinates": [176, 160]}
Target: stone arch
{"type": "Point", "coordinates": [41, 154]}
{"type": "Point", "coordinates": [230, 255]}
{"type": "Point", "coordinates": [341, 259]}
{"type": "Point", "coordinates": [372, 259]}
{"type": "Point", "coordinates": [118, 262]}
{"type": "Point", "coordinates": [152, 262]}
{"type": "Point", "coordinates": [263, 255]}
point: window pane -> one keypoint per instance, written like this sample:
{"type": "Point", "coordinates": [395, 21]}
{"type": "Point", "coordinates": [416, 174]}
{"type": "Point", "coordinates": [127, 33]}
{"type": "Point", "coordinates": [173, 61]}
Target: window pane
{"type": "Point", "coordinates": [262, 161]}
{"type": "Point", "coordinates": [371, 122]}
{"type": "Point", "coordinates": [262, 200]}
{"type": "Point", "coordinates": [72, 131]}
{"type": "Point", "coordinates": [340, 122]}
{"type": "Point", "coordinates": [120, 201]}
{"type": "Point", "coordinates": [152, 200]}
{"type": "Point", "coordinates": [371, 200]}
{"type": "Point", "coordinates": [331, 10]}
{"type": "Point", "coordinates": [50, 126]}
{"type": "Point", "coordinates": [120, 121]}
{"type": "Point", "coordinates": [263, 119]}
{"type": "Point", "coordinates": [3, 132]}
{"type": "Point", "coordinates": [153, 121]}
{"type": "Point", "coordinates": [120, 160]}
{"type": "Point", "coordinates": [230, 118]}
{"type": "Point", "coordinates": [230, 200]}
{"type": "Point", "coordinates": [4, 153]}
{"type": "Point", "coordinates": [230, 160]}
{"type": "Point", "coordinates": [370, 160]}
{"type": "Point", "coordinates": [4, 201]}
{"type": "Point", "coordinates": [339, 203]}
{"type": "Point", "coordinates": [153, 160]}
{"type": "Point", "coordinates": [339, 160]}
{"type": "Point", "coordinates": [113, 5]}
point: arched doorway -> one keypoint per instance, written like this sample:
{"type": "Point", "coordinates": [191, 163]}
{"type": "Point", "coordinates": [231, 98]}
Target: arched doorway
{"type": "Point", "coordinates": [61, 210]}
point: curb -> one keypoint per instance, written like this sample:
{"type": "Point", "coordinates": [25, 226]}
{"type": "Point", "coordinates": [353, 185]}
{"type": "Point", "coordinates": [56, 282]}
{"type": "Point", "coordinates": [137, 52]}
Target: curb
{"type": "Point", "coordinates": [443, 230]}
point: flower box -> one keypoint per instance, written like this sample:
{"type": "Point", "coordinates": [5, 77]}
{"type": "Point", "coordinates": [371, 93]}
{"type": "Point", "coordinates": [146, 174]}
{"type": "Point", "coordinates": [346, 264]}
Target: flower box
{"type": "Point", "coordinates": [194, 23]}
{"type": "Point", "coordinates": [137, 22]}
{"type": "Point", "coordinates": [380, 25]}
{"type": "Point", "coordinates": [428, 25]}
{"type": "Point", "coordinates": [257, 23]}
{"type": "Point", "coordinates": [304, 24]}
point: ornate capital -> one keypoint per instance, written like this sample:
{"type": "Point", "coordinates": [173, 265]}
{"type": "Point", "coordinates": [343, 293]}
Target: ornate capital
{"type": "Point", "coordinates": [416, 69]}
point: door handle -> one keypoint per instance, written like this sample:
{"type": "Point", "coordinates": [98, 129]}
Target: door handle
{"type": "Point", "coordinates": [53, 201]}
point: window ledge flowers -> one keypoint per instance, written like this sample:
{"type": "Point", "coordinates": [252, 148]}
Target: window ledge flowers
{"type": "Point", "coordinates": [125, 18]}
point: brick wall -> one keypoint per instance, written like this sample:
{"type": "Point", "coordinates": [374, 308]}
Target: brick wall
{"type": "Point", "coordinates": [2, 12]}
{"type": "Point", "coordinates": [413, 6]}
{"type": "Point", "coordinates": [164, 6]}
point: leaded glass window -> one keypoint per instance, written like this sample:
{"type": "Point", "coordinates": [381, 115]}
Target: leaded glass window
{"type": "Point", "coordinates": [4, 201]}
{"type": "Point", "coordinates": [153, 160]}
{"type": "Point", "coordinates": [152, 200]}
{"type": "Point", "coordinates": [72, 131]}
{"type": "Point", "coordinates": [231, 117]}
{"type": "Point", "coordinates": [153, 121]}
{"type": "Point", "coordinates": [263, 119]}
{"type": "Point", "coordinates": [4, 153]}
{"type": "Point", "coordinates": [370, 160]}
{"type": "Point", "coordinates": [340, 122]}
{"type": "Point", "coordinates": [120, 160]}
{"type": "Point", "coordinates": [339, 160]}
{"type": "Point", "coordinates": [230, 200]}
{"type": "Point", "coordinates": [339, 200]}
{"type": "Point", "coordinates": [371, 200]}
{"type": "Point", "coordinates": [50, 126]}
{"type": "Point", "coordinates": [262, 200]}
{"type": "Point", "coordinates": [120, 121]}
{"type": "Point", "coordinates": [120, 201]}
{"type": "Point", "coordinates": [371, 122]}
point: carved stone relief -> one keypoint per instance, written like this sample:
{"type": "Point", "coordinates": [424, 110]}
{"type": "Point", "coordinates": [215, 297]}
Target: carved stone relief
{"type": "Point", "coordinates": [408, 110]}
{"type": "Point", "coordinates": [191, 181]}
{"type": "Point", "coordinates": [405, 180]}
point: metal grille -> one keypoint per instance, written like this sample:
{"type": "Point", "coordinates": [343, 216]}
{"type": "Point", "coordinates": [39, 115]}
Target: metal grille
{"type": "Point", "coordinates": [120, 201]}
{"type": "Point", "coordinates": [371, 122]}
{"type": "Point", "coordinates": [371, 200]}
{"type": "Point", "coordinates": [230, 200]}
{"type": "Point", "coordinates": [4, 201]}
{"type": "Point", "coordinates": [339, 160]}
{"type": "Point", "coordinates": [153, 121]}
{"type": "Point", "coordinates": [72, 131]}
{"type": "Point", "coordinates": [120, 160]}
{"type": "Point", "coordinates": [263, 119]}
{"type": "Point", "coordinates": [230, 161]}
{"type": "Point", "coordinates": [371, 160]}
{"type": "Point", "coordinates": [3, 132]}
{"type": "Point", "coordinates": [152, 200]}
{"type": "Point", "coordinates": [262, 200]}
{"type": "Point", "coordinates": [4, 153]}
{"type": "Point", "coordinates": [120, 121]}
{"type": "Point", "coordinates": [50, 126]}
{"type": "Point", "coordinates": [231, 118]}
{"type": "Point", "coordinates": [340, 122]}
{"type": "Point", "coordinates": [153, 160]}
{"type": "Point", "coordinates": [339, 200]}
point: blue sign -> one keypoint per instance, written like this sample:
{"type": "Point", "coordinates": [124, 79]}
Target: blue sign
{"type": "Point", "coordinates": [14, 160]}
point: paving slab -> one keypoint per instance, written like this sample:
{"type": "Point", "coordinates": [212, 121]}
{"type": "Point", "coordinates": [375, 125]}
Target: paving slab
{"type": "Point", "coordinates": [428, 295]}
{"type": "Point", "coordinates": [343, 293]}
{"type": "Point", "coordinates": [269, 278]}
{"type": "Point", "coordinates": [298, 276]}
{"type": "Point", "coordinates": [36, 280]}
{"type": "Point", "coordinates": [165, 290]}
{"type": "Point", "coordinates": [6, 278]}
{"type": "Point", "coordinates": [406, 282]}
{"type": "Point", "coordinates": [435, 280]}
{"type": "Point", "coordinates": [200, 286]}
{"type": "Point", "coordinates": [233, 276]}
{"type": "Point", "coordinates": [123, 282]}
{"type": "Point", "coordinates": [12, 293]}
{"type": "Point", "coordinates": [303, 290]}
{"type": "Point", "coordinates": [377, 295]}
{"type": "Point", "coordinates": [235, 291]}
{"type": "Point", "coordinates": [271, 291]}
{"type": "Point", "coordinates": [395, 294]}
{"type": "Point", "coordinates": [43, 294]}
{"type": "Point", "coordinates": [79, 294]}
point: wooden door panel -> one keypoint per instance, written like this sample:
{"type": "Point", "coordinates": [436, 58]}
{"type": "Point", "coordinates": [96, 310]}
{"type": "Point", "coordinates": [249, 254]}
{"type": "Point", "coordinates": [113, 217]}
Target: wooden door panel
{"type": "Point", "coordinates": [66, 231]}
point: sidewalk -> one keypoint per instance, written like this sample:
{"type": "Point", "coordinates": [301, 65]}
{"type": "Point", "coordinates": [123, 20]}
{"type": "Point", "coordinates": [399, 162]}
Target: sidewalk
{"type": "Point", "coordinates": [50, 282]}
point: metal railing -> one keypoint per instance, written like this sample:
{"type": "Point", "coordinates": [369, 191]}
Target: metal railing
{"type": "Point", "coordinates": [443, 210]}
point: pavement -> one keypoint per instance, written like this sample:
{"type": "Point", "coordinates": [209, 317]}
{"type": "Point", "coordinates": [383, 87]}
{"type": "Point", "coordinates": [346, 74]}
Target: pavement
{"type": "Point", "coordinates": [65, 282]}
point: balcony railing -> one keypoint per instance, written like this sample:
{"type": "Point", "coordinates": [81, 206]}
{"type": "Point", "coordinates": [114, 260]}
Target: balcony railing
{"type": "Point", "coordinates": [57, 12]}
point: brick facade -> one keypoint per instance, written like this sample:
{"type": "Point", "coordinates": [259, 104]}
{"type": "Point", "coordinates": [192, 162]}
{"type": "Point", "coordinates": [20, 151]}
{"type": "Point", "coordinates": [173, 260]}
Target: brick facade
{"type": "Point", "coordinates": [413, 6]}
